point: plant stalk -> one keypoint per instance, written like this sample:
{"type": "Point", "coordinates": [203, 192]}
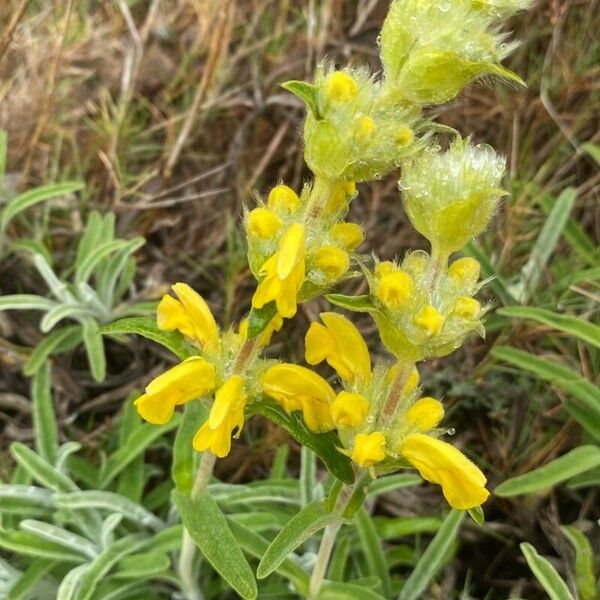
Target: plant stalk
{"type": "Point", "coordinates": [188, 546]}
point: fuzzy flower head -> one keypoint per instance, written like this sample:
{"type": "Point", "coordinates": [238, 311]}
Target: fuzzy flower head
{"type": "Point", "coordinates": [206, 373]}
{"type": "Point", "coordinates": [450, 196]}
{"type": "Point", "coordinates": [386, 442]}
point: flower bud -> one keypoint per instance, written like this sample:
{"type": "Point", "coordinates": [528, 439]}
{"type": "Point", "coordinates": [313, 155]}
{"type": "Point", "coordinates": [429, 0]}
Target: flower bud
{"type": "Point", "coordinates": [263, 223]}
{"type": "Point", "coordinates": [365, 128]}
{"type": "Point", "coordinates": [394, 289]}
{"type": "Point", "coordinates": [368, 449]}
{"type": "Point", "coordinates": [283, 198]}
{"type": "Point", "coordinates": [348, 235]}
{"type": "Point", "coordinates": [465, 272]}
{"type": "Point", "coordinates": [333, 261]}
{"type": "Point", "coordinates": [466, 308]}
{"type": "Point", "coordinates": [430, 320]}
{"type": "Point", "coordinates": [340, 87]}
{"type": "Point", "coordinates": [424, 414]}
{"type": "Point", "coordinates": [341, 195]}
{"type": "Point", "coordinates": [405, 136]}
{"type": "Point", "coordinates": [349, 409]}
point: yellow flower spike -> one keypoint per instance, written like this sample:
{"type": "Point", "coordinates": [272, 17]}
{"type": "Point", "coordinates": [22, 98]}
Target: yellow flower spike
{"type": "Point", "coordinates": [340, 87]}
{"type": "Point", "coordinates": [430, 320]}
{"type": "Point", "coordinates": [465, 271]}
{"type": "Point", "coordinates": [369, 449]}
{"type": "Point", "coordinates": [395, 289]}
{"type": "Point", "coordinates": [348, 235]}
{"type": "Point", "coordinates": [349, 409]}
{"type": "Point", "coordinates": [466, 308]}
{"type": "Point", "coordinates": [425, 414]}
{"type": "Point", "coordinates": [226, 415]}
{"type": "Point", "coordinates": [365, 128]}
{"type": "Point", "coordinates": [283, 198]}
{"type": "Point", "coordinates": [189, 314]}
{"type": "Point", "coordinates": [263, 223]}
{"type": "Point", "coordinates": [463, 484]}
{"type": "Point", "coordinates": [299, 388]}
{"type": "Point", "coordinates": [332, 261]}
{"type": "Point", "coordinates": [339, 343]}
{"type": "Point", "coordinates": [191, 379]}
{"type": "Point", "coordinates": [405, 136]}
{"type": "Point", "coordinates": [283, 274]}
{"type": "Point", "coordinates": [382, 268]}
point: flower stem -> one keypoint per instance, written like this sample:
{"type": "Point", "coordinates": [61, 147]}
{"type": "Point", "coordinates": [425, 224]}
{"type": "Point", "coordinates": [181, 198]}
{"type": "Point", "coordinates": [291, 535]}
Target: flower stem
{"type": "Point", "coordinates": [189, 583]}
{"type": "Point", "coordinates": [321, 192]}
{"type": "Point", "coordinates": [395, 393]}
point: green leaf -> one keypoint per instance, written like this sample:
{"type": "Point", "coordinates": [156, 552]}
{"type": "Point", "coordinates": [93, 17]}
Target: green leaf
{"type": "Point", "coordinates": [306, 92]}
{"type": "Point", "coordinates": [354, 303]}
{"type": "Point", "coordinates": [26, 544]}
{"type": "Point", "coordinates": [333, 590]}
{"type": "Point", "coordinates": [541, 251]}
{"type": "Point", "coordinates": [103, 250]}
{"type": "Point", "coordinates": [146, 327]}
{"type": "Point", "coordinates": [568, 465]}
{"type": "Point", "coordinates": [44, 419]}
{"type": "Point", "coordinates": [383, 485]}
{"type": "Point", "coordinates": [30, 578]}
{"type": "Point", "coordinates": [259, 318]}
{"type": "Point", "coordinates": [584, 562]}
{"type": "Point", "coordinates": [59, 340]}
{"type": "Point", "coordinates": [208, 527]}
{"type": "Point", "coordinates": [25, 302]}
{"type": "Point", "coordinates": [312, 518]}
{"type": "Point", "coordinates": [593, 150]}
{"type": "Point", "coordinates": [546, 574]}
{"type": "Point", "coordinates": [75, 311]}
{"type": "Point", "coordinates": [35, 196]}
{"type": "Point", "coordinates": [94, 347]}
{"type": "Point", "coordinates": [59, 536]}
{"type": "Point", "coordinates": [433, 558]}
{"type": "Point", "coordinates": [373, 551]}
{"type": "Point", "coordinates": [571, 324]}
{"type": "Point", "coordinates": [324, 445]}
{"type": "Point", "coordinates": [143, 437]}
{"type": "Point", "coordinates": [396, 528]}
{"type": "Point", "coordinates": [146, 564]}
{"type": "Point", "coordinates": [563, 377]}
{"type": "Point", "coordinates": [477, 515]}
{"type": "Point", "coordinates": [70, 583]}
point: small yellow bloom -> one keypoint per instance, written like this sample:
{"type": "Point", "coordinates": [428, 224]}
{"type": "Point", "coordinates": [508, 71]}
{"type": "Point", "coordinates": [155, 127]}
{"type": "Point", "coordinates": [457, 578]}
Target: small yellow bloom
{"type": "Point", "coordinates": [369, 449]}
{"type": "Point", "coordinates": [226, 415]}
{"type": "Point", "coordinates": [365, 128]}
{"type": "Point", "coordinates": [191, 379]}
{"type": "Point", "coordinates": [384, 267]}
{"type": "Point", "coordinates": [263, 223]}
{"type": "Point", "coordinates": [463, 484]}
{"type": "Point", "coordinates": [395, 289]}
{"type": "Point", "coordinates": [283, 198]}
{"type": "Point", "coordinates": [298, 388]}
{"type": "Point", "coordinates": [465, 271]}
{"type": "Point", "coordinates": [341, 194]}
{"type": "Point", "coordinates": [466, 308]}
{"type": "Point", "coordinates": [275, 324]}
{"type": "Point", "coordinates": [425, 414]}
{"type": "Point", "coordinates": [189, 314]}
{"type": "Point", "coordinates": [348, 235]}
{"type": "Point", "coordinates": [404, 136]}
{"type": "Point", "coordinates": [430, 320]}
{"type": "Point", "coordinates": [340, 87]}
{"type": "Point", "coordinates": [332, 261]}
{"type": "Point", "coordinates": [283, 273]}
{"type": "Point", "coordinates": [349, 409]}
{"type": "Point", "coordinates": [339, 343]}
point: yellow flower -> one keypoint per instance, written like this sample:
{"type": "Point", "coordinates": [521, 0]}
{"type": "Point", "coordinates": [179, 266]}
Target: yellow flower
{"type": "Point", "coordinates": [340, 196]}
{"type": "Point", "coordinates": [404, 136]}
{"type": "Point", "coordinates": [349, 409]}
{"type": "Point", "coordinates": [298, 388]}
{"type": "Point", "coordinates": [466, 308]}
{"type": "Point", "coordinates": [263, 223]}
{"type": "Point", "coordinates": [369, 449]}
{"type": "Point", "coordinates": [365, 128]}
{"type": "Point", "coordinates": [463, 484]}
{"type": "Point", "coordinates": [191, 379]}
{"type": "Point", "coordinates": [386, 266]}
{"type": "Point", "coordinates": [425, 414]}
{"type": "Point", "coordinates": [283, 273]}
{"type": "Point", "coordinates": [339, 343]}
{"type": "Point", "coordinates": [226, 416]}
{"type": "Point", "coordinates": [283, 198]}
{"type": "Point", "coordinates": [348, 235]}
{"type": "Point", "coordinates": [395, 288]}
{"type": "Point", "coordinates": [340, 87]}
{"type": "Point", "coordinates": [189, 314]}
{"type": "Point", "coordinates": [332, 261]}
{"type": "Point", "coordinates": [430, 320]}
{"type": "Point", "coordinates": [465, 271]}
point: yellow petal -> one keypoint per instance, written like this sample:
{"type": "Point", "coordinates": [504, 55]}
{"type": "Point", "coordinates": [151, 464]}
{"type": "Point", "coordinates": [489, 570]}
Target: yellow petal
{"type": "Point", "coordinates": [425, 414]}
{"type": "Point", "coordinates": [466, 308]}
{"type": "Point", "coordinates": [404, 136]}
{"type": "Point", "coordinates": [348, 235]}
{"type": "Point", "coordinates": [296, 387]}
{"type": "Point", "coordinates": [229, 397]}
{"type": "Point", "coordinates": [332, 261]}
{"type": "Point", "coordinates": [384, 267]}
{"type": "Point", "coordinates": [342, 345]}
{"type": "Point", "coordinates": [369, 449]}
{"type": "Point", "coordinates": [463, 484]}
{"type": "Point", "coordinates": [283, 198]}
{"type": "Point", "coordinates": [218, 441]}
{"type": "Point", "coordinates": [340, 87]}
{"type": "Point", "coordinates": [395, 288]}
{"type": "Point", "coordinates": [465, 271]}
{"type": "Point", "coordinates": [349, 409]}
{"type": "Point", "coordinates": [291, 250]}
{"type": "Point", "coordinates": [430, 320]}
{"type": "Point", "coordinates": [193, 378]}
{"type": "Point", "coordinates": [263, 223]}
{"type": "Point", "coordinates": [365, 128]}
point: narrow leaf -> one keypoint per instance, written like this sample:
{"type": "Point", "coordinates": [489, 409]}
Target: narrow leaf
{"type": "Point", "coordinates": [373, 551]}
{"type": "Point", "coordinates": [354, 303]}
{"type": "Point", "coordinates": [44, 419]}
{"type": "Point", "coordinates": [60, 339]}
{"type": "Point", "coordinates": [546, 574]}
{"type": "Point", "coordinates": [94, 347]}
{"type": "Point", "coordinates": [584, 562]}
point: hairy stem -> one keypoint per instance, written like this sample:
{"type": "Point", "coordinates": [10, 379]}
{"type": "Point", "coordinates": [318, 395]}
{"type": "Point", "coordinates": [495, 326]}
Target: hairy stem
{"type": "Point", "coordinates": [188, 546]}
{"type": "Point", "coordinates": [395, 393]}
{"type": "Point", "coordinates": [321, 192]}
